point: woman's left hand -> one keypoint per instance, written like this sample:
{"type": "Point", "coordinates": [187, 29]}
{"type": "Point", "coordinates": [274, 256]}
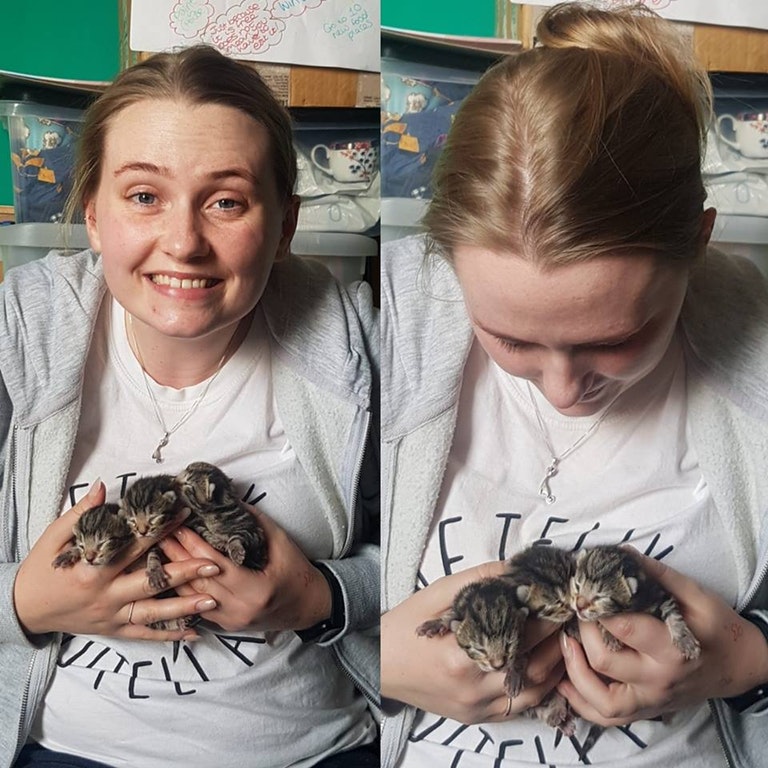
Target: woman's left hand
{"type": "Point", "coordinates": [650, 676]}
{"type": "Point", "coordinates": [290, 593]}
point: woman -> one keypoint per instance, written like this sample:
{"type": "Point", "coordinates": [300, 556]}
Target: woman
{"type": "Point", "coordinates": [572, 366]}
{"type": "Point", "coordinates": [188, 333]}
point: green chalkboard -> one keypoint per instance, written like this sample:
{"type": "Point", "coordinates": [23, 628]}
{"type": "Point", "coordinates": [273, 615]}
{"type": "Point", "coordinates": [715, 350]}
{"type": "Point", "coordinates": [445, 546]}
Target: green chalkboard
{"type": "Point", "coordinates": [77, 39]}
{"type": "Point", "coordinates": [449, 17]}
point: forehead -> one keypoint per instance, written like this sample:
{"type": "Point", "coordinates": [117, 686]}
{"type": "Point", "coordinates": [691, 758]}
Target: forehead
{"type": "Point", "coordinates": [600, 298]}
{"type": "Point", "coordinates": [168, 132]}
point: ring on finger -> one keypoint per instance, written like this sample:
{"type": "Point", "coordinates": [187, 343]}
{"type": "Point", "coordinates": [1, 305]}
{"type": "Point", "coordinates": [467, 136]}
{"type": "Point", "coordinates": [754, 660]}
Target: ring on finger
{"type": "Point", "coordinates": [130, 614]}
{"type": "Point", "coordinates": [509, 707]}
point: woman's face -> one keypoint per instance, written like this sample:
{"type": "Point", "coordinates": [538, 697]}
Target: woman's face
{"type": "Point", "coordinates": [187, 216]}
{"type": "Point", "coordinates": [582, 333]}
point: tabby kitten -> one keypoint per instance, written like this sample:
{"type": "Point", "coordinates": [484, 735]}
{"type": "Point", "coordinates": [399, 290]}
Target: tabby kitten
{"type": "Point", "coordinates": [487, 620]}
{"type": "Point", "coordinates": [219, 517]}
{"type": "Point", "coordinates": [101, 535]}
{"type": "Point", "coordinates": [608, 580]}
{"type": "Point", "coordinates": [542, 577]}
{"type": "Point", "coordinates": [151, 505]}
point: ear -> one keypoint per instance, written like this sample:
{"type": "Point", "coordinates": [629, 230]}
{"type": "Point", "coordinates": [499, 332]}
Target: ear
{"type": "Point", "coordinates": [210, 488]}
{"type": "Point", "coordinates": [91, 227]}
{"type": "Point", "coordinates": [290, 221]}
{"type": "Point", "coordinates": [632, 584]}
{"type": "Point", "coordinates": [707, 225]}
{"type": "Point", "coordinates": [170, 496]}
{"type": "Point", "coordinates": [522, 592]}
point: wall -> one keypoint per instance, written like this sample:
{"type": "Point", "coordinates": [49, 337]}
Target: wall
{"type": "Point", "coordinates": [76, 39]}
{"type": "Point", "coordinates": [451, 17]}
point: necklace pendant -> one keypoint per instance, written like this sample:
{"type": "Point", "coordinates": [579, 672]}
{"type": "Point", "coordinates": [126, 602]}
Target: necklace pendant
{"type": "Point", "coordinates": [544, 490]}
{"type": "Point", "coordinates": [157, 456]}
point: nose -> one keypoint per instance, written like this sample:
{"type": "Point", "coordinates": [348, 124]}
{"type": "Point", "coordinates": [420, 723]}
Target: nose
{"type": "Point", "coordinates": [183, 237]}
{"type": "Point", "coordinates": [563, 382]}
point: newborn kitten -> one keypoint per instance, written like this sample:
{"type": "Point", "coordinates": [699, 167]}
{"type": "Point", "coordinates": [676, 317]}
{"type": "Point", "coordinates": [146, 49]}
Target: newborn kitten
{"type": "Point", "coordinates": [608, 580]}
{"type": "Point", "coordinates": [101, 534]}
{"type": "Point", "coordinates": [151, 505]}
{"type": "Point", "coordinates": [219, 517]}
{"type": "Point", "coordinates": [488, 622]}
{"type": "Point", "coordinates": [542, 575]}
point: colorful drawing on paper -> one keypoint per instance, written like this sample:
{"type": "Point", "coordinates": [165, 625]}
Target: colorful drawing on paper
{"type": "Point", "coordinates": [320, 32]}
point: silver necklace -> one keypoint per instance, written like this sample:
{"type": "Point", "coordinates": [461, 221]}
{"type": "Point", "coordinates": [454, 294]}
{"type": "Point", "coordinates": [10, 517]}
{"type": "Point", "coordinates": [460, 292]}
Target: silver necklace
{"type": "Point", "coordinates": [168, 431]}
{"type": "Point", "coordinates": [545, 490]}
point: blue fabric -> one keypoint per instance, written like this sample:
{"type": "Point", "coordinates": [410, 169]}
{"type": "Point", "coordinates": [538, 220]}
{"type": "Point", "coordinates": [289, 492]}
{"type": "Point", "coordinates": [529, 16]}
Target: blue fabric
{"type": "Point", "coordinates": [35, 756]}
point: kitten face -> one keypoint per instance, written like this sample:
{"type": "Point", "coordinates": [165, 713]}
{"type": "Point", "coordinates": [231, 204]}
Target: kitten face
{"type": "Point", "coordinates": [490, 624]}
{"type": "Point", "coordinates": [600, 586]}
{"type": "Point", "coordinates": [150, 504]}
{"type": "Point", "coordinates": [202, 484]}
{"type": "Point", "coordinates": [101, 534]}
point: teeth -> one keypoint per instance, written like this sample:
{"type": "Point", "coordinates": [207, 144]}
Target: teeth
{"type": "Point", "coordinates": [184, 284]}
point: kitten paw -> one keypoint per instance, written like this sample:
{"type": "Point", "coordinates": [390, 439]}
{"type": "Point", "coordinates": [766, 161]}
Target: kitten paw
{"type": "Point", "coordinates": [67, 559]}
{"type": "Point", "coordinates": [432, 628]}
{"type": "Point", "coordinates": [513, 683]}
{"type": "Point", "coordinates": [236, 551]}
{"type": "Point", "coordinates": [688, 645]}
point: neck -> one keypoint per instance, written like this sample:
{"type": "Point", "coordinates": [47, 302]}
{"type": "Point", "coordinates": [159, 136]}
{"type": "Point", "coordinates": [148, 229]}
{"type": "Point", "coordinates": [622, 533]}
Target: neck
{"type": "Point", "coordinates": [178, 362]}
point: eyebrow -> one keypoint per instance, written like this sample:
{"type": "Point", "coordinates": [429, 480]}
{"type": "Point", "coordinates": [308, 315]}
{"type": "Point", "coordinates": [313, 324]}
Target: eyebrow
{"type": "Point", "coordinates": [617, 339]}
{"type": "Point", "coordinates": [161, 170]}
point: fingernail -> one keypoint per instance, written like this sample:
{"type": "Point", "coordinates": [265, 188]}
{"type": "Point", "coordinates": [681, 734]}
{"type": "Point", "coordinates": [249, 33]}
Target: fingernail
{"type": "Point", "coordinates": [205, 605]}
{"type": "Point", "coordinates": [95, 486]}
{"type": "Point", "coordinates": [208, 570]}
{"type": "Point", "coordinates": [565, 645]}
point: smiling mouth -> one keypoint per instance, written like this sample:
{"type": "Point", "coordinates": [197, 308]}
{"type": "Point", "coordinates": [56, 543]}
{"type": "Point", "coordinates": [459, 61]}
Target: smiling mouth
{"type": "Point", "coordinates": [184, 283]}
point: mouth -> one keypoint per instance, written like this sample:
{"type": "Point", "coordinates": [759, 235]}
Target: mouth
{"type": "Point", "coordinates": [183, 283]}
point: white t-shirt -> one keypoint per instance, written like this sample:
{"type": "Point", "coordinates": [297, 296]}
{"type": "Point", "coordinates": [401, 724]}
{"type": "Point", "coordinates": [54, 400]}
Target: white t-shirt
{"type": "Point", "coordinates": [237, 697]}
{"type": "Point", "coordinates": [635, 479]}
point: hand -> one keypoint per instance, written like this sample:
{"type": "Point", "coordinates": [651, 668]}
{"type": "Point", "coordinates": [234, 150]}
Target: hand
{"type": "Point", "coordinates": [98, 600]}
{"type": "Point", "coordinates": [436, 675]}
{"type": "Point", "coordinates": [650, 676]}
{"type": "Point", "coordinates": [290, 593]}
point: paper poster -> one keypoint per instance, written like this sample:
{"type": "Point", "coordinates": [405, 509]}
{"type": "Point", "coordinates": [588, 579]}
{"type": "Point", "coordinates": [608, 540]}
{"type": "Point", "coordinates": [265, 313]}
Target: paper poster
{"type": "Point", "coordinates": [735, 13]}
{"type": "Point", "coordinates": [324, 33]}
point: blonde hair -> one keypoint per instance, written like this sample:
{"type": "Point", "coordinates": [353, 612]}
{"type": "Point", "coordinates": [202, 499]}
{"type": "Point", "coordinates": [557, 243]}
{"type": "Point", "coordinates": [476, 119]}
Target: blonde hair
{"type": "Point", "coordinates": [195, 75]}
{"type": "Point", "coordinates": [586, 145]}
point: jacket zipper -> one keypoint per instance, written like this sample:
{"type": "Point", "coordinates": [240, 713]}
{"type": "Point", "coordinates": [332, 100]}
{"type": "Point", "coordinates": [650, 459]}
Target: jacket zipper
{"type": "Point", "coordinates": [355, 485]}
{"type": "Point", "coordinates": [719, 732]}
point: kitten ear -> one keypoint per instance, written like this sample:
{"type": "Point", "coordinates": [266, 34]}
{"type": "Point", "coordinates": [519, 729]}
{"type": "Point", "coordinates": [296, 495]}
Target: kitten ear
{"type": "Point", "coordinates": [632, 584]}
{"type": "Point", "coordinates": [210, 488]}
{"type": "Point", "coordinates": [170, 496]}
{"type": "Point", "coordinates": [522, 592]}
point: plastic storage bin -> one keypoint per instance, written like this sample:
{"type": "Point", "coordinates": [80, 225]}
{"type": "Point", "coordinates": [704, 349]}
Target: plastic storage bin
{"type": "Point", "coordinates": [42, 146]}
{"type": "Point", "coordinates": [21, 243]}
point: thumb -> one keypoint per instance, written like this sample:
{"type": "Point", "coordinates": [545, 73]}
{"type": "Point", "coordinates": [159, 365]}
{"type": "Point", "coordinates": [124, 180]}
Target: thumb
{"type": "Point", "coordinates": [96, 495]}
{"type": "Point", "coordinates": [59, 532]}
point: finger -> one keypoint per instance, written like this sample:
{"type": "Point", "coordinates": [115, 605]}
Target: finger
{"type": "Point", "coordinates": [530, 696]}
{"type": "Point", "coordinates": [584, 708]}
{"type": "Point", "coordinates": [537, 631]}
{"type": "Point", "coordinates": [684, 589]}
{"type": "Point", "coordinates": [546, 657]}
{"type": "Point", "coordinates": [611, 699]}
{"type": "Point", "coordinates": [60, 530]}
{"type": "Point", "coordinates": [196, 546]}
{"type": "Point", "coordinates": [642, 633]}
{"type": "Point", "coordinates": [441, 592]}
{"type": "Point", "coordinates": [138, 614]}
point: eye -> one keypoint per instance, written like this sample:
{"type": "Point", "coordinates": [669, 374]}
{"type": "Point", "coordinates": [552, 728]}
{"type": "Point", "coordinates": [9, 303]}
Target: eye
{"type": "Point", "coordinates": [513, 346]}
{"type": "Point", "coordinates": [144, 198]}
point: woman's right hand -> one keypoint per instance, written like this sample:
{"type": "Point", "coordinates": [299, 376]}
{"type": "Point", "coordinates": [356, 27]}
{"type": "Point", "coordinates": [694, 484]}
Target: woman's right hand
{"type": "Point", "coordinates": [100, 600]}
{"type": "Point", "coordinates": [436, 675]}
